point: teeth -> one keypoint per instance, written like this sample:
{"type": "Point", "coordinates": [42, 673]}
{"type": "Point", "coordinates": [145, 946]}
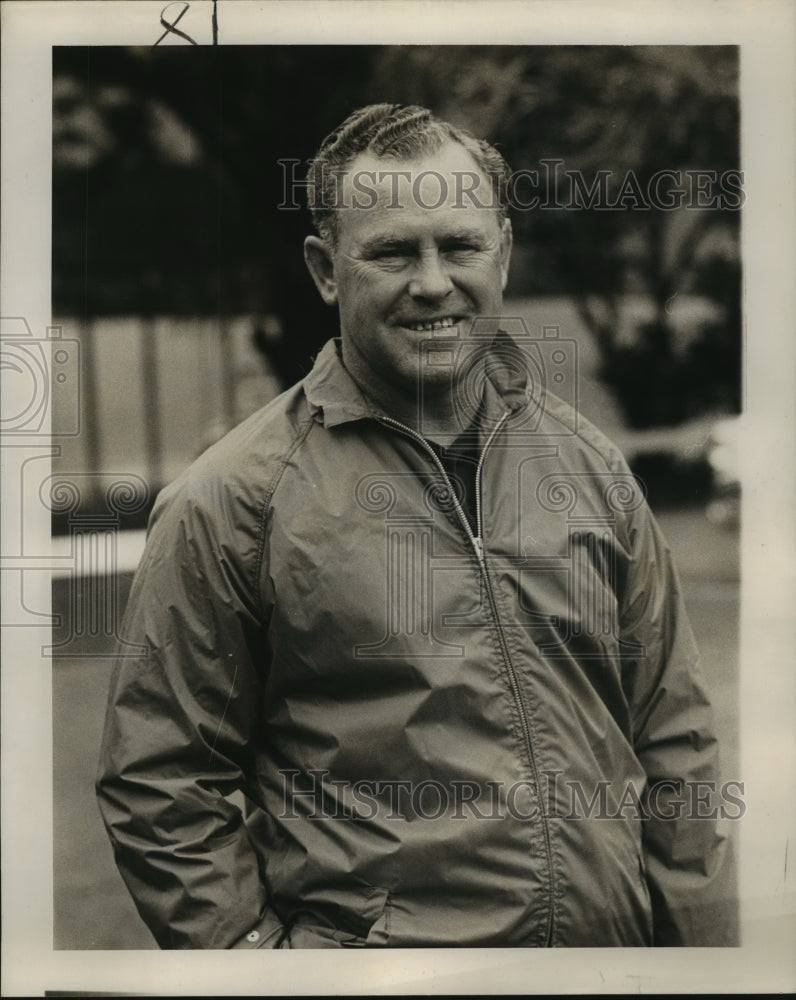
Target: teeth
{"type": "Point", "coordinates": [439, 324]}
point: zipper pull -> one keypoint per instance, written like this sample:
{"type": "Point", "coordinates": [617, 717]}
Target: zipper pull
{"type": "Point", "coordinates": [478, 545]}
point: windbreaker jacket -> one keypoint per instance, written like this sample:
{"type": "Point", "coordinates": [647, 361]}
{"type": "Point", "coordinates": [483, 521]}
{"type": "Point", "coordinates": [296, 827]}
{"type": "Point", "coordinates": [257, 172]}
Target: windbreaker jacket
{"type": "Point", "coordinates": [361, 722]}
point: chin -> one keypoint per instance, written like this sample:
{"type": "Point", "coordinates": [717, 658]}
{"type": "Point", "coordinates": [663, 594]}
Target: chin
{"type": "Point", "coordinates": [437, 383]}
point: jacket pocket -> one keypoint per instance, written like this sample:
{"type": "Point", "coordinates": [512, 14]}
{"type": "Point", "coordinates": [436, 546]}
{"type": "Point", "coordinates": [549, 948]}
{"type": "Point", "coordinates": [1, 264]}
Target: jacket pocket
{"type": "Point", "coordinates": [358, 923]}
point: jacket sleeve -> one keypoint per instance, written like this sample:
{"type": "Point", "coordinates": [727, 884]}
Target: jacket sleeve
{"type": "Point", "coordinates": [687, 858]}
{"type": "Point", "coordinates": [181, 724]}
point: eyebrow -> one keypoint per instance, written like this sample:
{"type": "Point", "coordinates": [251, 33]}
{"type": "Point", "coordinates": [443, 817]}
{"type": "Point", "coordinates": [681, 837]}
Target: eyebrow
{"type": "Point", "coordinates": [381, 243]}
{"type": "Point", "coordinates": [403, 245]}
{"type": "Point", "coordinates": [464, 235]}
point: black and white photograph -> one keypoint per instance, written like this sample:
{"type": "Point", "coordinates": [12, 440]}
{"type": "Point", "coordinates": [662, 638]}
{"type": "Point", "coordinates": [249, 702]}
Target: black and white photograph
{"type": "Point", "coordinates": [398, 498]}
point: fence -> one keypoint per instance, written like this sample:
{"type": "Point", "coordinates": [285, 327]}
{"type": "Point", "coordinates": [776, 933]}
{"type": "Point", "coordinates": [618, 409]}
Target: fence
{"type": "Point", "coordinates": [154, 393]}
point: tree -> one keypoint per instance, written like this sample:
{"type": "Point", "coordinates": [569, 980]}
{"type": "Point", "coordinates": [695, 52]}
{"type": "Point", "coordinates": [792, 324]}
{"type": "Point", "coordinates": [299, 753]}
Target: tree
{"type": "Point", "coordinates": [604, 123]}
{"type": "Point", "coordinates": [169, 189]}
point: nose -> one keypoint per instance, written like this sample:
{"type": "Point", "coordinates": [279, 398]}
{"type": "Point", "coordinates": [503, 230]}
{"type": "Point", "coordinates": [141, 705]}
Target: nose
{"type": "Point", "coordinates": [430, 279]}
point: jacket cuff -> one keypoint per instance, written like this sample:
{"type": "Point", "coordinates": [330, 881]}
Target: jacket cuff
{"type": "Point", "coordinates": [267, 933]}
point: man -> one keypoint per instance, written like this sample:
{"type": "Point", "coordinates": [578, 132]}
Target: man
{"type": "Point", "coordinates": [419, 672]}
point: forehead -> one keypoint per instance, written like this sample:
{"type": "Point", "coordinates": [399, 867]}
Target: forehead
{"type": "Point", "coordinates": [443, 190]}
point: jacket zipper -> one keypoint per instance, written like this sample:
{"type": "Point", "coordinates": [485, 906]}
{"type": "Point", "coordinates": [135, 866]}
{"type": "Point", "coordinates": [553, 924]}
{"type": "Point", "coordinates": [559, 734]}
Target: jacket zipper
{"type": "Point", "coordinates": [477, 542]}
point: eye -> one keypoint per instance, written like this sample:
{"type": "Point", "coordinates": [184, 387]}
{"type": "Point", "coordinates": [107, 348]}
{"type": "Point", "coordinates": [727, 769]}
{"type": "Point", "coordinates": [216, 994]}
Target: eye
{"type": "Point", "coordinates": [460, 248]}
{"type": "Point", "coordinates": [391, 257]}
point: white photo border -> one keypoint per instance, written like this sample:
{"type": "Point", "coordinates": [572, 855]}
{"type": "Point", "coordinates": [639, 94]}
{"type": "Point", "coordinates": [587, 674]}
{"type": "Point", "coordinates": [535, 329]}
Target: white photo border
{"type": "Point", "coordinates": [765, 33]}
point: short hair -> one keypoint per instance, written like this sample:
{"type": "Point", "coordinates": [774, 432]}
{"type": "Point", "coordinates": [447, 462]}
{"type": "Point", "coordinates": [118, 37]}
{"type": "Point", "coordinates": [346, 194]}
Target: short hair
{"type": "Point", "coordinates": [405, 132]}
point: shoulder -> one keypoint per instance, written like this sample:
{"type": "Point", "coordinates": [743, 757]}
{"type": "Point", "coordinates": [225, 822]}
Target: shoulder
{"type": "Point", "coordinates": [590, 466]}
{"type": "Point", "coordinates": [576, 435]}
{"type": "Point", "coordinates": [228, 485]}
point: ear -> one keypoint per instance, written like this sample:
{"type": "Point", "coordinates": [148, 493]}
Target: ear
{"type": "Point", "coordinates": [320, 263]}
{"type": "Point", "coordinates": [506, 241]}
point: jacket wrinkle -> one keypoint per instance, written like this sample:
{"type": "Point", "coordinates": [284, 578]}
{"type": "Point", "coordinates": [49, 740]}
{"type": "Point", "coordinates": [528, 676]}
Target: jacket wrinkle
{"type": "Point", "coordinates": [426, 736]}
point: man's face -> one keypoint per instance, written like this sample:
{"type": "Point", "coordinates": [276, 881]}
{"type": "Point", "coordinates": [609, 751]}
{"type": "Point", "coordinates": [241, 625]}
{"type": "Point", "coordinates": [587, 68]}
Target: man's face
{"type": "Point", "coordinates": [405, 270]}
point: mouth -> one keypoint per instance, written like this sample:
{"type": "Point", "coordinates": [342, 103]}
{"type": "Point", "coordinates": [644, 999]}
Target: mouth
{"type": "Point", "coordinates": [433, 326]}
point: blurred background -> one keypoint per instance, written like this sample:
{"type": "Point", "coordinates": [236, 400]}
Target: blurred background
{"type": "Point", "coordinates": [178, 270]}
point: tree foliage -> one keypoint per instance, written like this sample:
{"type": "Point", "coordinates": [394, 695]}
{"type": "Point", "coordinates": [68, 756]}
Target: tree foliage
{"type": "Point", "coordinates": [626, 114]}
{"type": "Point", "coordinates": [167, 187]}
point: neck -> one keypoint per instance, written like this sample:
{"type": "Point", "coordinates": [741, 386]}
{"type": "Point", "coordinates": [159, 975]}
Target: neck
{"type": "Point", "coordinates": [439, 419]}
{"type": "Point", "coordinates": [433, 415]}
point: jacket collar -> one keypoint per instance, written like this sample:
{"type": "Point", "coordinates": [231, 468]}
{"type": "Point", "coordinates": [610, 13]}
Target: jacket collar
{"type": "Point", "coordinates": [335, 398]}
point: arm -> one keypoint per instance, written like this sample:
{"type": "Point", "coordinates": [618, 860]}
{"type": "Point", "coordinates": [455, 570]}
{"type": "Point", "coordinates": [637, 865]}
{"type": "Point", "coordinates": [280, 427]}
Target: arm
{"type": "Point", "coordinates": [180, 727]}
{"type": "Point", "coordinates": [689, 868]}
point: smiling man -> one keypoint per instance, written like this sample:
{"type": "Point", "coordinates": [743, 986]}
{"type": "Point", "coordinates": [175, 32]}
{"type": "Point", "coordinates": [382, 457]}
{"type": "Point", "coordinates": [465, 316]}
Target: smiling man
{"type": "Point", "coordinates": [416, 259]}
{"type": "Point", "coordinates": [418, 670]}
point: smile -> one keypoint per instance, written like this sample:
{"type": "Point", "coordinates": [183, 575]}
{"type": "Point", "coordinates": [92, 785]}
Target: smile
{"type": "Point", "coordinates": [431, 325]}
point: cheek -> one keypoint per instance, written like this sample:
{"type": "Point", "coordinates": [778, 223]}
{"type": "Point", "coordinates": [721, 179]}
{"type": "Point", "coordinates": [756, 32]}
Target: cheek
{"type": "Point", "coordinates": [490, 286]}
{"type": "Point", "coordinates": [492, 273]}
{"type": "Point", "coordinates": [371, 293]}
{"type": "Point", "coordinates": [482, 277]}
